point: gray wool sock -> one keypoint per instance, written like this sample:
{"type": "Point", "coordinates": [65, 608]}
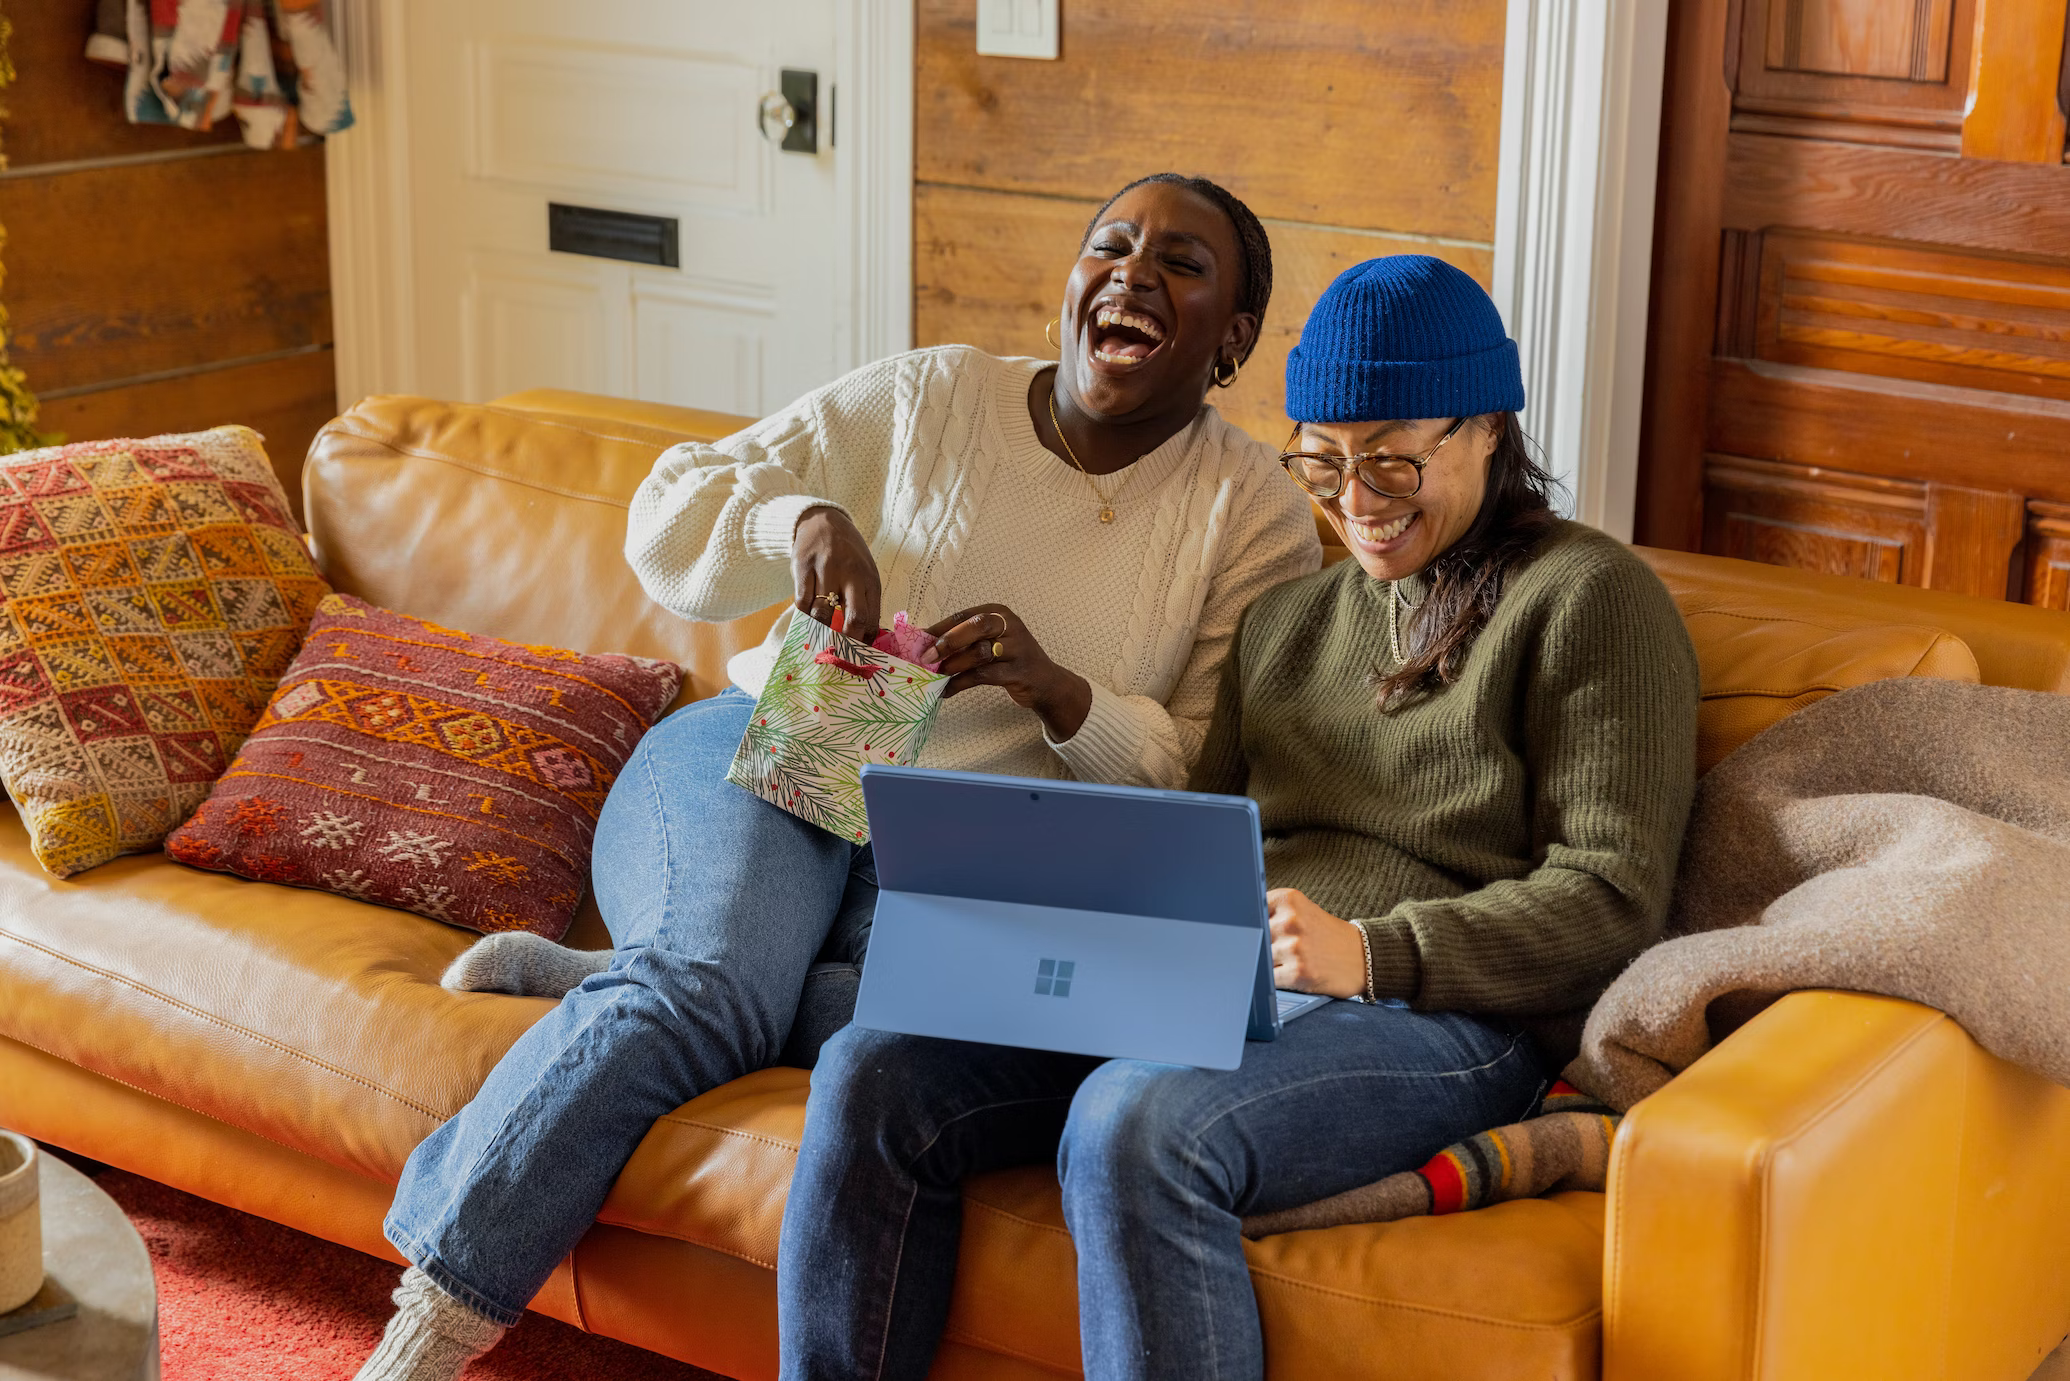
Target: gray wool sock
{"type": "Point", "coordinates": [432, 1336]}
{"type": "Point", "coordinates": [517, 961]}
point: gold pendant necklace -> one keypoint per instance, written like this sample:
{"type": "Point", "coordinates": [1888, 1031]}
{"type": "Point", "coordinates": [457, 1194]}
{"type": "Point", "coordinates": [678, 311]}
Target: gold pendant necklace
{"type": "Point", "coordinates": [1106, 504]}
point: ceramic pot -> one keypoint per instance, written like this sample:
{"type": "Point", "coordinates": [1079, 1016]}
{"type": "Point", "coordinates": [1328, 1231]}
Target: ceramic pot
{"type": "Point", "coordinates": [21, 1223]}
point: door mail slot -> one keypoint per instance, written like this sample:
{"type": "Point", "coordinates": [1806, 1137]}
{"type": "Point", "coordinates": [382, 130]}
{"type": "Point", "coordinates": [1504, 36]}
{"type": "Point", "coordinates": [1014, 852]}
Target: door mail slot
{"type": "Point", "coordinates": [612, 235]}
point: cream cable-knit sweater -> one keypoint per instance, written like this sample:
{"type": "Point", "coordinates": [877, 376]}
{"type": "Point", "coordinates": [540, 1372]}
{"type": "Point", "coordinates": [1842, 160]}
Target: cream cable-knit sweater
{"type": "Point", "coordinates": [933, 456]}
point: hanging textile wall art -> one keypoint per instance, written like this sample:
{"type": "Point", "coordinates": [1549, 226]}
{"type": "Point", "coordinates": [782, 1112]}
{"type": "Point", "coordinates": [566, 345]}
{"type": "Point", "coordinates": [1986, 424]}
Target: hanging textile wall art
{"type": "Point", "coordinates": [191, 63]}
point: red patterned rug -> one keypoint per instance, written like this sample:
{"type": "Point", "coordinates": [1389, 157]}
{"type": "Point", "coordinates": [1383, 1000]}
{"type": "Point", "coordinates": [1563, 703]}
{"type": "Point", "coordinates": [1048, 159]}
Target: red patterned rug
{"type": "Point", "coordinates": [242, 1299]}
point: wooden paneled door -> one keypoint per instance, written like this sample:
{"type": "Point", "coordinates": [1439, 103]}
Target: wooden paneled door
{"type": "Point", "coordinates": [1859, 352]}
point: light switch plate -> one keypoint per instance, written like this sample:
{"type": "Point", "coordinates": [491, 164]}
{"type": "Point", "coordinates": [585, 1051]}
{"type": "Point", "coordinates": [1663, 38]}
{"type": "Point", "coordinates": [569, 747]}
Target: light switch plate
{"type": "Point", "coordinates": [1017, 28]}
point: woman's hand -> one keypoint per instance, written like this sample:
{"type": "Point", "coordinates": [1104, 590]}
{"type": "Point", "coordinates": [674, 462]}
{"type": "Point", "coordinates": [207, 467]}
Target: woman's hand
{"type": "Point", "coordinates": [990, 646]}
{"type": "Point", "coordinates": [831, 561]}
{"type": "Point", "coordinates": [1313, 951]}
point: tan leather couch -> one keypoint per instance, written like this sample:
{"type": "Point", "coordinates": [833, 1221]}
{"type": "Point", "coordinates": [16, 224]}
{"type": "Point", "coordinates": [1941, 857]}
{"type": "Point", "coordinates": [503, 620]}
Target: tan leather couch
{"type": "Point", "coordinates": [1848, 1187]}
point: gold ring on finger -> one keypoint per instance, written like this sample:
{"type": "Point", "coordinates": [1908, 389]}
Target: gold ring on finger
{"type": "Point", "coordinates": [996, 653]}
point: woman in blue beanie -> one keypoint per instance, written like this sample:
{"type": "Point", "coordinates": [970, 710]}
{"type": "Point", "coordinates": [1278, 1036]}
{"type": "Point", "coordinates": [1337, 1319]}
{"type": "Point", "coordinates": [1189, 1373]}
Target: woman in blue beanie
{"type": "Point", "coordinates": [1473, 751]}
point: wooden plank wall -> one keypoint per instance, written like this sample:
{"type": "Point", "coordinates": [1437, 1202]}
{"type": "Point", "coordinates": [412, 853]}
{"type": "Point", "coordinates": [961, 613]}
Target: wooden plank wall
{"type": "Point", "coordinates": [1354, 128]}
{"type": "Point", "coordinates": [158, 279]}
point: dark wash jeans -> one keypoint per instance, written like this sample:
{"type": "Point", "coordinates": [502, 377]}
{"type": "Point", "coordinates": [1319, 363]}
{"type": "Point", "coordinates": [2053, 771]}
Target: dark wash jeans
{"type": "Point", "coordinates": [1159, 1163]}
{"type": "Point", "coordinates": [724, 910]}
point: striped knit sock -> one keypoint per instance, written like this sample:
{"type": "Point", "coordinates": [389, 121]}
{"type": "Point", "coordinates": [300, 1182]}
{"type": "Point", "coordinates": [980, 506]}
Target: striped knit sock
{"type": "Point", "coordinates": [1566, 1146]}
{"type": "Point", "coordinates": [431, 1337]}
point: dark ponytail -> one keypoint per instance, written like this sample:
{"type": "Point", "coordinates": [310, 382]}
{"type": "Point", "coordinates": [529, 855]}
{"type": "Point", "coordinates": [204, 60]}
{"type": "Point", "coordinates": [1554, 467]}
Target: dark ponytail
{"type": "Point", "coordinates": [1467, 580]}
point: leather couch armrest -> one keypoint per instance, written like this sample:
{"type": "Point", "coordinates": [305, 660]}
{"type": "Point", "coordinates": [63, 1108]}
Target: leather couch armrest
{"type": "Point", "coordinates": [1834, 1191]}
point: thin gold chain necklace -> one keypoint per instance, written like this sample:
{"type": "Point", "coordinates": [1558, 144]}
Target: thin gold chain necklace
{"type": "Point", "coordinates": [1106, 503]}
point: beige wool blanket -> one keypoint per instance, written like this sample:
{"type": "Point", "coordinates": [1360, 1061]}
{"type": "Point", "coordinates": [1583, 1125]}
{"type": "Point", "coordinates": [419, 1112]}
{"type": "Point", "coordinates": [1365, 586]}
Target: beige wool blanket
{"type": "Point", "coordinates": [1907, 837]}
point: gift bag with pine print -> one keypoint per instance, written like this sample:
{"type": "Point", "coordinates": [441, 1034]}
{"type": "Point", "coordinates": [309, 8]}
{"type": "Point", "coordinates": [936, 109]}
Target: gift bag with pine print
{"type": "Point", "coordinates": [830, 705]}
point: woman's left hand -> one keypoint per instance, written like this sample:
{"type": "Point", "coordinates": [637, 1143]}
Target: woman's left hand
{"type": "Point", "coordinates": [1313, 951]}
{"type": "Point", "coordinates": [990, 646]}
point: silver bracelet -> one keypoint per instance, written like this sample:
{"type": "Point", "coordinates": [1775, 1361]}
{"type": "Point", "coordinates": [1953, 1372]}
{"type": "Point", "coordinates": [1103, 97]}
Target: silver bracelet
{"type": "Point", "coordinates": [1365, 939]}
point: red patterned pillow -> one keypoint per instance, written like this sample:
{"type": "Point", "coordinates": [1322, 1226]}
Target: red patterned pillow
{"type": "Point", "coordinates": [436, 771]}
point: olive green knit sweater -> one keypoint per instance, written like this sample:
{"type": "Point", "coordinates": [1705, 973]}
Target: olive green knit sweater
{"type": "Point", "coordinates": [1508, 842]}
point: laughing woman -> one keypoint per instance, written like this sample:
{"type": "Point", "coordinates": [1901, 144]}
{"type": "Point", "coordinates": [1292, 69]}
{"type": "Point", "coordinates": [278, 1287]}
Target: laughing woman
{"type": "Point", "coordinates": [1473, 750]}
{"type": "Point", "coordinates": [1096, 531]}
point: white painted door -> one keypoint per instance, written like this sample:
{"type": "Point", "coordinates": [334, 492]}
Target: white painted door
{"type": "Point", "coordinates": [641, 106]}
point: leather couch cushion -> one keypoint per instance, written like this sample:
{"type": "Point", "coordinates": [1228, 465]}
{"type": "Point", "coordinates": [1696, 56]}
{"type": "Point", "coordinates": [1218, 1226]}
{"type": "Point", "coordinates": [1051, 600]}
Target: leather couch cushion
{"type": "Point", "coordinates": [306, 1018]}
{"type": "Point", "coordinates": [503, 523]}
{"type": "Point", "coordinates": [1760, 666]}
{"type": "Point", "coordinates": [1509, 1291]}
{"type": "Point", "coordinates": [313, 1020]}
{"type": "Point", "coordinates": [2013, 644]}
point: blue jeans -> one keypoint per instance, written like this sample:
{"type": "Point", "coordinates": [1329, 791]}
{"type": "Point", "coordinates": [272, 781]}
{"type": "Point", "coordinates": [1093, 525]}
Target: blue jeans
{"type": "Point", "coordinates": [1159, 1164]}
{"type": "Point", "coordinates": [719, 905]}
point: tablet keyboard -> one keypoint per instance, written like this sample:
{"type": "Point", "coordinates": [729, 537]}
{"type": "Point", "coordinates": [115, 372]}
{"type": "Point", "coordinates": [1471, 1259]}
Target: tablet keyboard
{"type": "Point", "coordinates": [1294, 1004]}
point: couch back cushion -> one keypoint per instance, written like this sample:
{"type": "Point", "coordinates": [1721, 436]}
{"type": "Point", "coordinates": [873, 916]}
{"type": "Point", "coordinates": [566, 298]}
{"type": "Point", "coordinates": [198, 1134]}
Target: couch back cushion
{"type": "Point", "coordinates": [1760, 666]}
{"type": "Point", "coordinates": [2014, 644]}
{"type": "Point", "coordinates": [509, 519]}
{"type": "Point", "coordinates": [505, 523]}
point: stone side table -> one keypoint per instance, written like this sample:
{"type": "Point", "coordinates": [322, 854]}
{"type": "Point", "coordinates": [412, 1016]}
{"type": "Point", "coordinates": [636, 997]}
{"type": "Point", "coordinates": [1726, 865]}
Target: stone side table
{"type": "Point", "coordinates": [90, 1249]}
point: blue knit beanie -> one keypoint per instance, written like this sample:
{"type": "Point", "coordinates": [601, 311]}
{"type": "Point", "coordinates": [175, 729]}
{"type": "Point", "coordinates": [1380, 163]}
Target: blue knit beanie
{"type": "Point", "coordinates": [1401, 337]}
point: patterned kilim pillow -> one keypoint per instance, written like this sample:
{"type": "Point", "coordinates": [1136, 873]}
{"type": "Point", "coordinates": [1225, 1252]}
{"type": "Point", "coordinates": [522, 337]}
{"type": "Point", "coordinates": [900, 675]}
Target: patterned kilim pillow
{"type": "Point", "coordinates": [440, 772]}
{"type": "Point", "coordinates": [154, 590]}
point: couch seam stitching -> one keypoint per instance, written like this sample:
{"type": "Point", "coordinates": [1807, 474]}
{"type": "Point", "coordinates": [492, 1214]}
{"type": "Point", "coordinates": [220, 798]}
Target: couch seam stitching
{"type": "Point", "coordinates": [762, 1137]}
{"type": "Point", "coordinates": [566, 421]}
{"type": "Point", "coordinates": [1563, 1326]}
{"type": "Point", "coordinates": [157, 1097]}
{"type": "Point", "coordinates": [639, 1225]}
{"type": "Point", "coordinates": [1757, 1314]}
{"type": "Point", "coordinates": [504, 475]}
{"type": "Point", "coordinates": [675, 1236]}
{"type": "Point", "coordinates": [1784, 693]}
{"type": "Point", "coordinates": [1917, 1034]}
{"type": "Point", "coordinates": [1843, 628]}
{"type": "Point", "coordinates": [1012, 1217]}
{"type": "Point", "coordinates": [225, 1024]}
{"type": "Point", "coordinates": [962, 1334]}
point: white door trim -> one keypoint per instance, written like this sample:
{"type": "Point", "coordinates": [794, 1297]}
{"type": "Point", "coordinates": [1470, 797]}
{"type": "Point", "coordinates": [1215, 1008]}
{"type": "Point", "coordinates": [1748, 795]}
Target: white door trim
{"type": "Point", "coordinates": [367, 175]}
{"type": "Point", "coordinates": [367, 186]}
{"type": "Point", "coordinates": [1581, 103]}
{"type": "Point", "coordinates": [873, 171]}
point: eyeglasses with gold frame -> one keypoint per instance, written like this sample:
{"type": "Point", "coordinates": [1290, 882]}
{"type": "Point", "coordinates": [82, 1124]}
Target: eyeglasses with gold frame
{"type": "Point", "coordinates": [1390, 476]}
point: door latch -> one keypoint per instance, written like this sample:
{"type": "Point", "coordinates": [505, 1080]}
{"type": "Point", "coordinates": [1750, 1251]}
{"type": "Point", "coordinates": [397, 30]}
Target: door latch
{"type": "Point", "coordinates": [789, 117]}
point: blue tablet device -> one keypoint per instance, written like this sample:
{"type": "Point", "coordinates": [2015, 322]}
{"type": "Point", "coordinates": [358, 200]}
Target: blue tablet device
{"type": "Point", "coordinates": [1099, 920]}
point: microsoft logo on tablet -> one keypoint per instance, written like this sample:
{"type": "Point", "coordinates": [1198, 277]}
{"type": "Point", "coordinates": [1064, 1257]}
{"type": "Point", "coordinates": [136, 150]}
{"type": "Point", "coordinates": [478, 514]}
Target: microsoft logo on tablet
{"type": "Point", "coordinates": [1053, 977]}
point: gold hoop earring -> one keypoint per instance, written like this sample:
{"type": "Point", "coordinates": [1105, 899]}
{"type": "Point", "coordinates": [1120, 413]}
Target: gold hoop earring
{"type": "Point", "coordinates": [1235, 368]}
{"type": "Point", "coordinates": [1054, 343]}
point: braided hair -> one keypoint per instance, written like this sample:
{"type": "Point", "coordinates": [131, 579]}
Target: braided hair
{"type": "Point", "coordinates": [1253, 247]}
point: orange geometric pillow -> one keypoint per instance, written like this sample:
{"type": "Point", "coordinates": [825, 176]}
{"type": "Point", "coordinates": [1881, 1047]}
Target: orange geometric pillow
{"type": "Point", "coordinates": [431, 770]}
{"type": "Point", "coordinates": [151, 594]}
